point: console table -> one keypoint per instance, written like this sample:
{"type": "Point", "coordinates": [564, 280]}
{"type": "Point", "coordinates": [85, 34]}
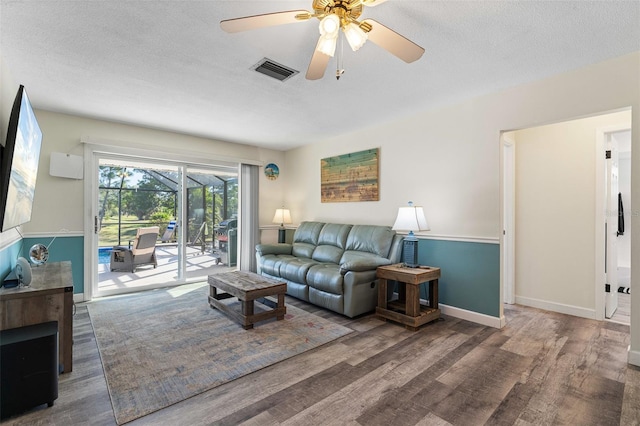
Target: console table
{"type": "Point", "coordinates": [407, 309]}
{"type": "Point", "coordinates": [48, 298]}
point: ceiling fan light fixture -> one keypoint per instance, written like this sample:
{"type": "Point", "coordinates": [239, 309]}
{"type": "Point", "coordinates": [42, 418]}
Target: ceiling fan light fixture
{"type": "Point", "coordinates": [327, 45]}
{"type": "Point", "coordinates": [329, 26]}
{"type": "Point", "coordinates": [355, 36]}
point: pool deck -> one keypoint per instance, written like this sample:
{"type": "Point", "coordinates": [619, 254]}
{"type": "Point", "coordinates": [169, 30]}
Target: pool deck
{"type": "Point", "coordinates": [198, 266]}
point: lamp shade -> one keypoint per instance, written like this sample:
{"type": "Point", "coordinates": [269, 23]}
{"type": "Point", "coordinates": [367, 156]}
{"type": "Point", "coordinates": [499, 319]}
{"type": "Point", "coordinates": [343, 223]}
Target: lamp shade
{"type": "Point", "coordinates": [329, 26]}
{"type": "Point", "coordinates": [411, 218]}
{"type": "Point", "coordinates": [282, 216]}
{"type": "Point", "coordinates": [355, 36]}
{"type": "Point", "coordinates": [327, 45]}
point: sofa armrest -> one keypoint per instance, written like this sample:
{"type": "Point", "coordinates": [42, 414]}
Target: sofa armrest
{"type": "Point", "coordinates": [364, 264]}
{"type": "Point", "coordinates": [264, 249]}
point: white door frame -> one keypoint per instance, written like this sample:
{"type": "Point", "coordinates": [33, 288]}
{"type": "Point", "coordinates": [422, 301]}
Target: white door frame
{"type": "Point", "coordinates": [93, 148]}
{"type": "Point", "coordinates": [507, 239]}
{"type": "Point", "coordinates": [600, 212]}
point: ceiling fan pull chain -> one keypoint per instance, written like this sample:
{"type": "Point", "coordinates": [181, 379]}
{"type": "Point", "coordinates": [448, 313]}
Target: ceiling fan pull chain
{"type": "Point", "coordinates": [339, 68]}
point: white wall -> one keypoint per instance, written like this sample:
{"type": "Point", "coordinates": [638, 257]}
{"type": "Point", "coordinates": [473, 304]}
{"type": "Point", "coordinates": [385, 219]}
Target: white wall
{"type": "Point", "coordinates": [448, 160]}
{"type": "Point", "coordinates": [555, 212]}
{"type": "Point", "coordinates": [59, 202]}
{"type": "Point", "coordinates": [421, 160]}
{"type": "Point", "coordinates": [8, 90]}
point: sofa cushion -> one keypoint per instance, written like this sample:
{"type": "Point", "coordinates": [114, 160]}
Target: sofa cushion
{"type": "Point", "coordinates": [303, 250]}
{"type": "Point", "coordinates": [371, 239]}
{"type": "Point", "coordinates": [295, 268]}
{"type": "Point", "coordinates": [308, 232]}
{"type": "Point", "coordinates": [305, 239]}
{"type": "Point", "coordinates": [331, 243]}
{"type": "Point", "coordinates": [335, 302]}
{"type": "Point", "coordinates": [334, 234]}
{"type": "Point", "coordinates": [325, 277]}
{"type": "Point", "coordinates": [270, 263]}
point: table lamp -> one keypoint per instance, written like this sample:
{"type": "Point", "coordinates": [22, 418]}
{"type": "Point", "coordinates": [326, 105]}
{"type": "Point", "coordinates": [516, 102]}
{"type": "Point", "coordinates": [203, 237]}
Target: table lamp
{"type": "Point", "coordinates": [282, 216]}
{"type": "Point", "coordinates": [410, 219]}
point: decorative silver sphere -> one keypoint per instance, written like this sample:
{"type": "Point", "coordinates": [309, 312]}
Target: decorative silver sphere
{"type": "Point", "coordinates": [38, 254]}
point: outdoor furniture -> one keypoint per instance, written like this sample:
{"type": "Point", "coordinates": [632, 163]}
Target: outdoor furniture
{"type": "Point", "coordinates": [168, 235]}
{"type": "Point", "coordinates": [142, 251]}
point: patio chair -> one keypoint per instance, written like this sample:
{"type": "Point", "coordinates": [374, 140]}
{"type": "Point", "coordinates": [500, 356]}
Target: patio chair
{"type": "Point", "coordinates": [142, 251]}
{"type": "Point", "coordinates": [167, 237]}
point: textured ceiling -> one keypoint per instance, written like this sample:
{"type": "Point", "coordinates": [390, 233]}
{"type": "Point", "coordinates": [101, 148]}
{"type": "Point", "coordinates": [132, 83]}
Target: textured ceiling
{"type": "Point", "coordinates": [168, 65]}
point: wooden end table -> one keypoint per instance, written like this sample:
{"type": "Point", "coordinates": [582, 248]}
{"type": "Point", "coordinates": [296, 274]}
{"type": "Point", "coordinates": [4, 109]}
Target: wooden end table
{"type": "Point", "coordinates": [407, 309]}
{"type": "Point", "coordinates": [247, 287]}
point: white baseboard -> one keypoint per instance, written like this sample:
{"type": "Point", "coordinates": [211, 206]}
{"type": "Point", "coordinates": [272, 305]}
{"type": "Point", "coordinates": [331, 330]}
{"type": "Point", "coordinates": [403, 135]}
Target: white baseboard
{"type": "Point", "coordinates": [78, 297]}
{"type": "Point", "coordinates": [633, 357]}
{"type": "Point", "coordinates": [466, 315]}
{"type": "Point", "coordinates": [476, 317]}
{"type": "Point", "coordinates": [557, 307]}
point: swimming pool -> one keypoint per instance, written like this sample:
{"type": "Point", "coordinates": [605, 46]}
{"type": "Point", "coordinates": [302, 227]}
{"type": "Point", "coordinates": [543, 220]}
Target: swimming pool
{"type": "Point", "coordinates": [104, 254]}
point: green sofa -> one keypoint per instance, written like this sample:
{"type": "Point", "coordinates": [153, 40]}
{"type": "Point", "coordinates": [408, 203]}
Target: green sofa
{"type": "Point", "coordinates": [332, 265]}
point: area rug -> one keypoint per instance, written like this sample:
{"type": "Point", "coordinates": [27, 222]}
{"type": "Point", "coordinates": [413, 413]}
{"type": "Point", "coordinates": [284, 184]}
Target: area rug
{"type": "Point", "coordinates": [163, 346]}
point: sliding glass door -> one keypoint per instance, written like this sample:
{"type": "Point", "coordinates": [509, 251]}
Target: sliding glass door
{"type": "Point", "coordinates": [211, 218]}
{"type": "Point", "coordinates": [161, 223]}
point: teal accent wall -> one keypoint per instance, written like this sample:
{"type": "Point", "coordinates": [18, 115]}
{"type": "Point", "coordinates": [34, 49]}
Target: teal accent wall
{"type": "Point", "coordinates": [63, 248]}
{"type": "Point", "coordinates": [8, 257]}
{"type": "Point", "coordinates": [469, 276]}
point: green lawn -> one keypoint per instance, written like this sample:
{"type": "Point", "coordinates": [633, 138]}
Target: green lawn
{"type": "Point", "coordinates": [108, 236]}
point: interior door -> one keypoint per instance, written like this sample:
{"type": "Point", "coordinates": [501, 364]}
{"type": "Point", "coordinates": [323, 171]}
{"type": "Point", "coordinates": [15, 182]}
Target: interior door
{"type": "Point", "coordinates": [611, 229]}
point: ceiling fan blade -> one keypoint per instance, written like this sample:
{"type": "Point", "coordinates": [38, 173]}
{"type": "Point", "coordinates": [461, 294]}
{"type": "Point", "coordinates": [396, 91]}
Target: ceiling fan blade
{"type": "Point", "coordinates": [318, 65]}
{"type": "Point", "coordinates": [393, 42]}
{"type": "Point", "coordinates": [267, 20]}
{"type": "Point", "coordinates": [372, 3]}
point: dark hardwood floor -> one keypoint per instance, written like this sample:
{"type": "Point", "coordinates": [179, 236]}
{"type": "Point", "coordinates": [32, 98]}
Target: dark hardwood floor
{"type": "Point", "coordinates": [543, 368]}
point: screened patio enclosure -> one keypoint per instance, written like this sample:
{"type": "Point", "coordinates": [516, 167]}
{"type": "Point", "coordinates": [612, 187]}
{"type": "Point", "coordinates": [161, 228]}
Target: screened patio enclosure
{"type": "Point", "coordinates": [131, 198]}
{"type": "Point", "coordinates": [194, 205]}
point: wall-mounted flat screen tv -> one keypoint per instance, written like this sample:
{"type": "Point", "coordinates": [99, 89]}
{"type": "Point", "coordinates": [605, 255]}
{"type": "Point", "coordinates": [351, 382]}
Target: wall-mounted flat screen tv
{"type": "Point", "coordinates": [19, 164]}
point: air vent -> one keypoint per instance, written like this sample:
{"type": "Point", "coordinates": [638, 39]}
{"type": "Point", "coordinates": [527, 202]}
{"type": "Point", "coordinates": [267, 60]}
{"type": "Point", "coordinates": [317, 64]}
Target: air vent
{"type": "Point", "coordinates": [274, 69]}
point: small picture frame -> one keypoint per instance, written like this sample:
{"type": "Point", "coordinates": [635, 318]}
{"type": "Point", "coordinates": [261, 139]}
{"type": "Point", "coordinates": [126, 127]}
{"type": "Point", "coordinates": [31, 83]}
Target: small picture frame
{"type": "Point", "coordinates": [271, 171]}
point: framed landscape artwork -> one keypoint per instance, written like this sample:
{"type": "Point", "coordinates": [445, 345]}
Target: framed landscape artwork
{"type": "Point", "coordinates": [350, 177]}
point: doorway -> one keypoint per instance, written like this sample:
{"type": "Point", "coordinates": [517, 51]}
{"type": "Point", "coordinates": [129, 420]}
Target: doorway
{"type": "Point", "coordinates": [558, 238]}
{"type": "Point", "coordinates": [192, 207]}
{"type": "Point", "coordinates": [616, 140]}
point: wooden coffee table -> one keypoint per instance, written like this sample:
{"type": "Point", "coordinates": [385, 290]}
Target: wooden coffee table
{"type": "Point", "coordinates": [247, 287]}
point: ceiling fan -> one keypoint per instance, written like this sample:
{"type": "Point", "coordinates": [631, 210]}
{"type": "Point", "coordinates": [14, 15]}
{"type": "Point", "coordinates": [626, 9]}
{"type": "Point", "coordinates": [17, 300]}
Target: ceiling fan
{"type": "Point", "coordinates": [334, 15]}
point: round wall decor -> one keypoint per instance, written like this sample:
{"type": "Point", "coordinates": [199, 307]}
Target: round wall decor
{"type": "Point", "coordinates": [271, 171]}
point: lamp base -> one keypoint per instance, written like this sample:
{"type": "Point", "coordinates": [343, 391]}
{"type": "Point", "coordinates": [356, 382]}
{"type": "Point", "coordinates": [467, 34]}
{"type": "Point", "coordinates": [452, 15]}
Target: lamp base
{"type": "Point", "coordinates": [282, 235]}
{"type": "Point", "coordinates": [410, 253]}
